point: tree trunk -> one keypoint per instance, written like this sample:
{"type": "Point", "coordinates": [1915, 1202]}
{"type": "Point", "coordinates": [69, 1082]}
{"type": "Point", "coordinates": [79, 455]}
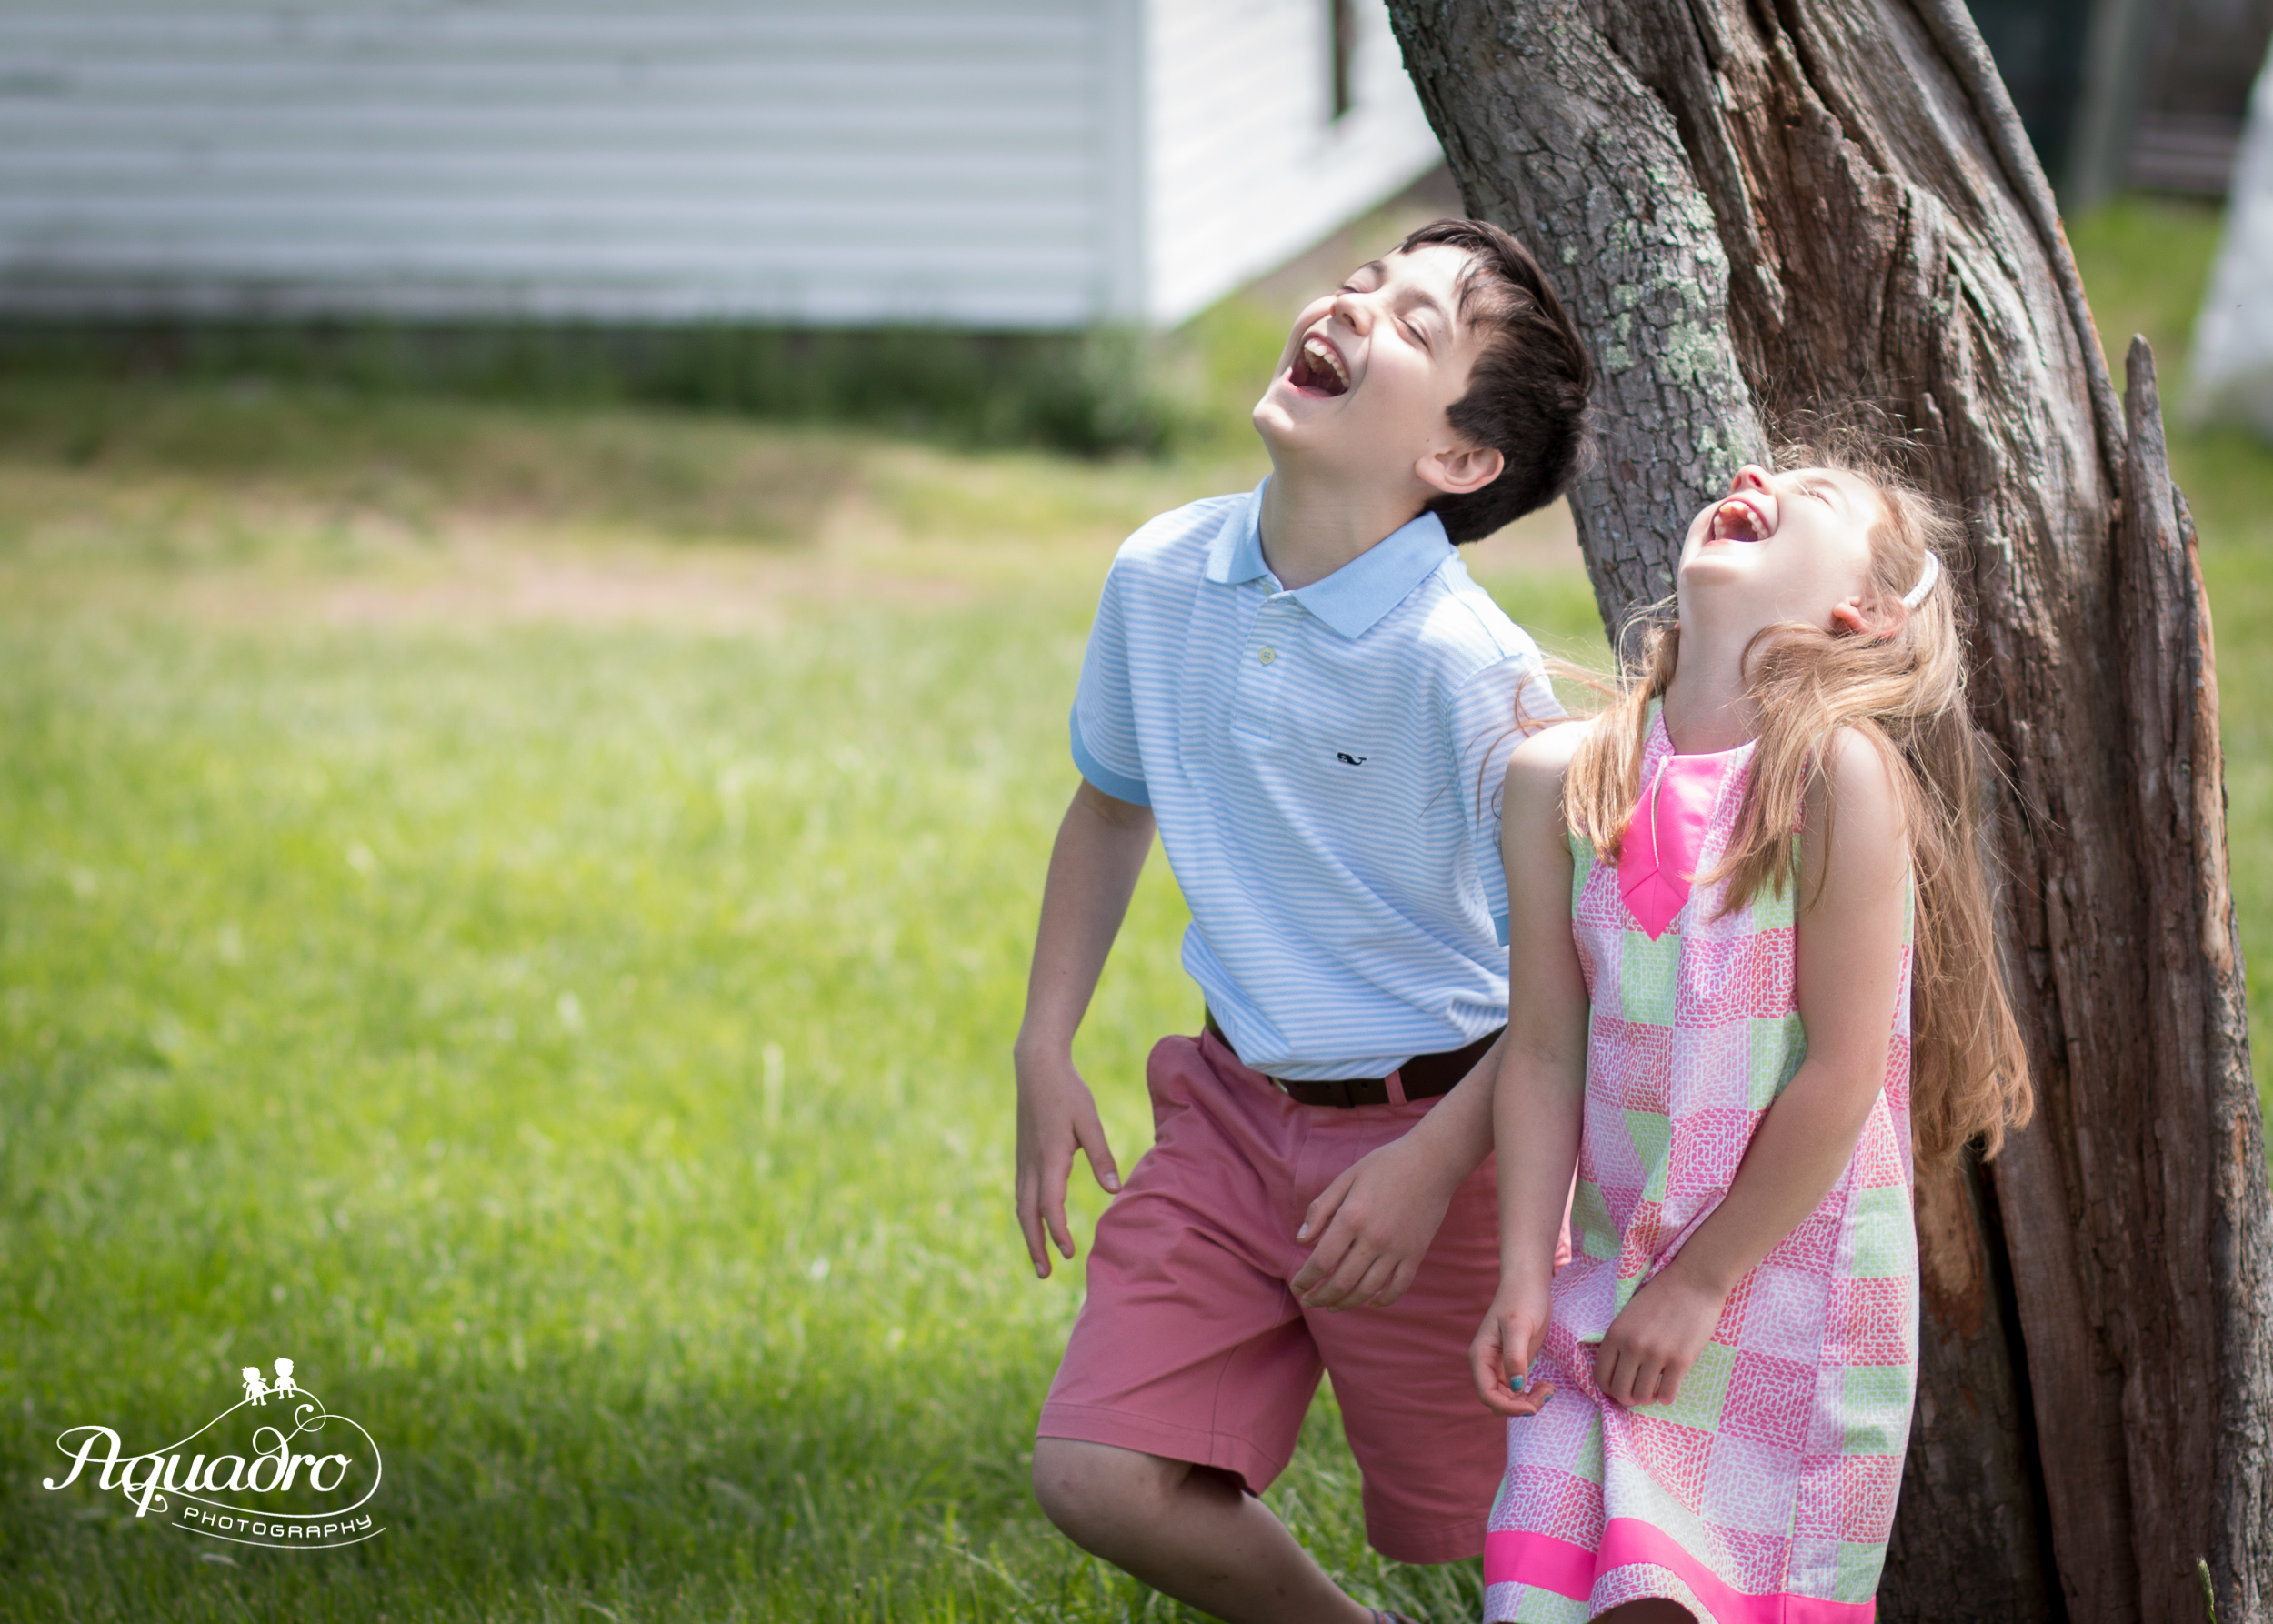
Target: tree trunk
{"type": "Point", "coordinates": [1757, 209]}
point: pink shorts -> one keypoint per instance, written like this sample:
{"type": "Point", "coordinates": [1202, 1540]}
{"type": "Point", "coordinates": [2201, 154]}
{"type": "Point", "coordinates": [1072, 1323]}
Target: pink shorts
{"type": "Point", "coordinates": [1190, 1346]}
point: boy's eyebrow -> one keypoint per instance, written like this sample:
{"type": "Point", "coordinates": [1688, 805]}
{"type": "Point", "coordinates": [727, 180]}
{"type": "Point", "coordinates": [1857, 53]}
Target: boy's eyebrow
{"type": "Point", "coordinates": [1420, 296]}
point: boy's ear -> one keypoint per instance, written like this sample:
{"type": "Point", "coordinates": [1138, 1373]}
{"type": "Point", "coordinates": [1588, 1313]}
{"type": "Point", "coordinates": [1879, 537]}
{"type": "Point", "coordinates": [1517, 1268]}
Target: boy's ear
{"type": "Point", "coordinates": [1460, 469]}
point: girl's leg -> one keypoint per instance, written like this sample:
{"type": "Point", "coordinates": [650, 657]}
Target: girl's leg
{"type": "Point", "coordinates": [1647, 1612]}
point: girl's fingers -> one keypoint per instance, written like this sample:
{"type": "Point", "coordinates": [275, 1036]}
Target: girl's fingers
{"type": "Point", "coordinates": [1487, 1363]}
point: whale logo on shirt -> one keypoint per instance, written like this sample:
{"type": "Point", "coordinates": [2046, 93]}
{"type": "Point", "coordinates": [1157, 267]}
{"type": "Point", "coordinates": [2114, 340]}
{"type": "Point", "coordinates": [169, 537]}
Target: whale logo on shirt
{"type": "Point", "coordinates": [1346, 759]}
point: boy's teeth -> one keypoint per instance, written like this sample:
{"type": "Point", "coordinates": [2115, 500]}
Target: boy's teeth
{"type": "Point", "coordinates": [1321, 355]}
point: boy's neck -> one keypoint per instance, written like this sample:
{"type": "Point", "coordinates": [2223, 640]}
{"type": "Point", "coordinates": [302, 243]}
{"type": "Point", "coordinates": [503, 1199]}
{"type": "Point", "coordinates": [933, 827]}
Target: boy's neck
{"type": "Point", "coordinates": [1708, 706]}
{"type": "Point", "coordinates": [1312, 526]}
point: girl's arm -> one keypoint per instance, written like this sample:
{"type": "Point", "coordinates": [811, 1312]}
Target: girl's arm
{"type": "Point", "coordinates": [1542, 1083]}
{"type": "Point", "coordinates": [1850, 967]}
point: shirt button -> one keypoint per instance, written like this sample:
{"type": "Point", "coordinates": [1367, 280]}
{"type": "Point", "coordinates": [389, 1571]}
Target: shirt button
{"type": "Point", "coordinates": [1265, 656]}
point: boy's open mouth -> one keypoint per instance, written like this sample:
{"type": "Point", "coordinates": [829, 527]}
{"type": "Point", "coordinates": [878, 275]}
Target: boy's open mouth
{"type": "Point", "coordinates": [1318, 370]}
{"type": "Point", "coordinates": [1736, 519]}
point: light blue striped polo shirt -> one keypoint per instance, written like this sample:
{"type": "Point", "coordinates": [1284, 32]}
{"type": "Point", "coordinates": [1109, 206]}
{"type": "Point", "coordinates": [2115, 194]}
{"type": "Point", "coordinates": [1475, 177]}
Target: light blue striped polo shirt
{"type": "Point", "coordinates": [1325, 766]}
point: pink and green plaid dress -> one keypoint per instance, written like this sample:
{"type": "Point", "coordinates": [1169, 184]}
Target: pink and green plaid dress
{"type": "Point", "coordinates": [1766, 1491]}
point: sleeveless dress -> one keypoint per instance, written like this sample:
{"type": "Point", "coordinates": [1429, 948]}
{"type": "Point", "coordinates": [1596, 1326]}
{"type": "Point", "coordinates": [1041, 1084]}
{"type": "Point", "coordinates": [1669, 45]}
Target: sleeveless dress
{"type": "Point", "coordinates": [1767, 1490]}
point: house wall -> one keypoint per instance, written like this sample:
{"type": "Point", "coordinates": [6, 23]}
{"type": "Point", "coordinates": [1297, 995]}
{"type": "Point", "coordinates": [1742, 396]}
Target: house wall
{"type": "Point", "coordinates": [1244, 165]}
{"type": "Point", "coordinates": [823, 160]}
{"type": "Point", "coordinates": [988, 163]}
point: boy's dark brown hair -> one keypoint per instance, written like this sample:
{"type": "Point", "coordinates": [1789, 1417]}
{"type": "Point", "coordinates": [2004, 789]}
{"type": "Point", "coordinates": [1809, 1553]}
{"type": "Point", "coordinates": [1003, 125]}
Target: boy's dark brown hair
{"type": "Point", "coordinates": [1527, 391]}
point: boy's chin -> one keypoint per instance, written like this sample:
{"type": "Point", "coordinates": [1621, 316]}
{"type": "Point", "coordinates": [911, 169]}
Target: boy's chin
{"type": "Point", "coordinates": [1283, 422]}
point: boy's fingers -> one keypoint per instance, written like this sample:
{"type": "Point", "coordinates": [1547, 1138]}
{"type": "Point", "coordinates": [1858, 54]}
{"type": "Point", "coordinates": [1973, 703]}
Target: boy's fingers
{"type": "Point", "coordinates": [1331, 1250]}
{"type": "Point", "coordinates": [1054, 1207]}
{"type": "Point", "coordinates": [1089, 1133]}
{"type": "Point", "coordinates": [1371, 1280]}
{"type": "Point", "coordinates": [1400, 1277]}
{"type": "Point", "coordinates": [1321, 1211]}
{"type": "Point", "coordinates": [1349, 1268]}
{"type": "Point", "coordinates": [1030, 1226]}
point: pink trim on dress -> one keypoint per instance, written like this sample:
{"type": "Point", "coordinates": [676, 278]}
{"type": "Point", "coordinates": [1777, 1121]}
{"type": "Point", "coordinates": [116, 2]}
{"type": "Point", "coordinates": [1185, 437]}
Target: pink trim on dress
{"type": "Point", "coordinates": [1512, 1556]}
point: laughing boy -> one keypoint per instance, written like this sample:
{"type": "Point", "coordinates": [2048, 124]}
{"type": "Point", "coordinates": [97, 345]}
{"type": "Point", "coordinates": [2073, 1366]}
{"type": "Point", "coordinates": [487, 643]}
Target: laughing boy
{"type": "Point", "coordinates": [1302, 690]}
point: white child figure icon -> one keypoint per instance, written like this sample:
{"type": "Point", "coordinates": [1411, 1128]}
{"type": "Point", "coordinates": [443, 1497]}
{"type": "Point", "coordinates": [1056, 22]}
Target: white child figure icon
{"type": "Point", "coordinates": [255, 1390]}
{"type": "Point", "coordinates": [285, 1384]}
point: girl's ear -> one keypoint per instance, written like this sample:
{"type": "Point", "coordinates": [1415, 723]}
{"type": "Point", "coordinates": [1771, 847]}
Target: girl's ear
{"type": "Point", "coordinates": [1864, 617]}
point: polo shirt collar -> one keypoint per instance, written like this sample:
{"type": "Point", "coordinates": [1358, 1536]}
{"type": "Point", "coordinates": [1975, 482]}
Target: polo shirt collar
{"type": "Point", "coordinates": [1354, 597]}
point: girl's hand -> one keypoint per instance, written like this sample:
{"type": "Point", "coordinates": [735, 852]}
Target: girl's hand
{"type": "Point", "coordinates": [1501, 1355]}
{"type": "Point", "coordinates": [1650, 1346]}
{"type": "Point", "coordinates": [1373, 1225]}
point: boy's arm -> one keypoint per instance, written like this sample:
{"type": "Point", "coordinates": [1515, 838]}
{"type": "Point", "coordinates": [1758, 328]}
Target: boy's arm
{"type": "Point", "coordinates": [1849, 951]}
{"type": "Point", "coordinates": [1100, 851]}
{"type": "Point", "coordinates": [1375, 1221]}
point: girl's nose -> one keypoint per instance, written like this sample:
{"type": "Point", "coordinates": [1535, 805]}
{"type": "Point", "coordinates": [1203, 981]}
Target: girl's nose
{"type": "Point", "coordinates": [1750, 477]}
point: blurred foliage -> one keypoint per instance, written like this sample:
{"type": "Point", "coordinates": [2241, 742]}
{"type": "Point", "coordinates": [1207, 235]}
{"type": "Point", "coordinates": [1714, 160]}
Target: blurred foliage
{"type": "Point", "coordinates": [1109, 390]}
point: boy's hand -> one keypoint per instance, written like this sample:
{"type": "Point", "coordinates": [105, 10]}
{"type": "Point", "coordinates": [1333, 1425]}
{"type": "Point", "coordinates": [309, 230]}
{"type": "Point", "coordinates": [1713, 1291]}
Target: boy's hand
{"type": "Point", "coordinates": [1055, 1114]}
{"type": "Point", "coordinates": [1373, 1225]}
{"type": "Point", "coordinates": [1651, 1345]}
{"type": "Point", "coordinates": [1500, 1357]}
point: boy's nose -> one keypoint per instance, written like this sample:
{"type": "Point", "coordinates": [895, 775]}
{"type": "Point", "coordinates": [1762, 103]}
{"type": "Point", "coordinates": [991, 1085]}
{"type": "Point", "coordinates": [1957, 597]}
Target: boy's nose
{"type": "Point", "coordinates": [1354, 311]}
{"type": "Point", "coordinates": [1750, 477]}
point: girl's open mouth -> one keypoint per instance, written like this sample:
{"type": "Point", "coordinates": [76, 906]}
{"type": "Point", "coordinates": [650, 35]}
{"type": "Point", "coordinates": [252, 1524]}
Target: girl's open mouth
{"type": "Point", "coordinates": [1736, 519]}
{"type": "Point", "coordinates": [1318, 370]}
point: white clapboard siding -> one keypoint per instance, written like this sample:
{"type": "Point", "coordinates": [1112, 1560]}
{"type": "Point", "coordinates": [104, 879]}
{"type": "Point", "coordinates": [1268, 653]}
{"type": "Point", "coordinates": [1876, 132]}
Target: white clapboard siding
{"type": "Point", "coordinates": [799, 160]}
{"type": "Point", "coordinates": [1247, 165]}
{"type": "Point", "coordinates": [990, 163]}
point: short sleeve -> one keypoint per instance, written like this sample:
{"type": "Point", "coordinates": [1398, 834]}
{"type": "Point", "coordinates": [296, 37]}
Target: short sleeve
{"type": "Point", "coordinates": [1488, 715]}
{"type": "Point", "coordinates": [1105, 714]}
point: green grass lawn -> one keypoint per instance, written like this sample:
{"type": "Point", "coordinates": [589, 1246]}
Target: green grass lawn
{"type": "Point", "coordinates": [523, 912]}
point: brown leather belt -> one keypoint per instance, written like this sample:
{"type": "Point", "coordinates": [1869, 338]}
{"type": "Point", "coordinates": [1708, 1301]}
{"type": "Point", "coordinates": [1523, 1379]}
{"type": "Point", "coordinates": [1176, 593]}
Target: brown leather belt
{"type": "Point", "coordinates": [1424, 1077]}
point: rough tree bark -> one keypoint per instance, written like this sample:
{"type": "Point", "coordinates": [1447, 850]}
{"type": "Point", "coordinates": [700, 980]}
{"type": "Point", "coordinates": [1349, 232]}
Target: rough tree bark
{"type": "Point", "coordinates": [1756, 206]}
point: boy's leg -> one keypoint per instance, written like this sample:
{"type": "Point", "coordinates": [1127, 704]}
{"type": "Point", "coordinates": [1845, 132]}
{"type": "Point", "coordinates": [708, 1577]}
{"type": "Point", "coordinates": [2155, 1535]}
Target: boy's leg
{"type": "Point", "coordinates": [1190, 1368]}
{"type": "Point", "coordinates": [1189, 1531]}
{"type": "Point", "coordinates": [1432, 1454]}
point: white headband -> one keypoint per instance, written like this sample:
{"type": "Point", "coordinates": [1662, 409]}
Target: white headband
{"type": "Point", "coordinates": [1926, 579]}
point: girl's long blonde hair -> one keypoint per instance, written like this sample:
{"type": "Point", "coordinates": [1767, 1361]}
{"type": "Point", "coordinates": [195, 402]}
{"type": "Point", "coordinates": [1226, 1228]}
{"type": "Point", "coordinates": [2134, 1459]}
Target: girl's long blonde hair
{"type": "Point", "coordinates": [1904, 691]}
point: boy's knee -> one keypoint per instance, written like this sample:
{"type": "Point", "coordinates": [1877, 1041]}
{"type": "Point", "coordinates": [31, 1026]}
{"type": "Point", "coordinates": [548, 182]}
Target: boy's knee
{"type": "Point", "coordinates": [1091, 1491]}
